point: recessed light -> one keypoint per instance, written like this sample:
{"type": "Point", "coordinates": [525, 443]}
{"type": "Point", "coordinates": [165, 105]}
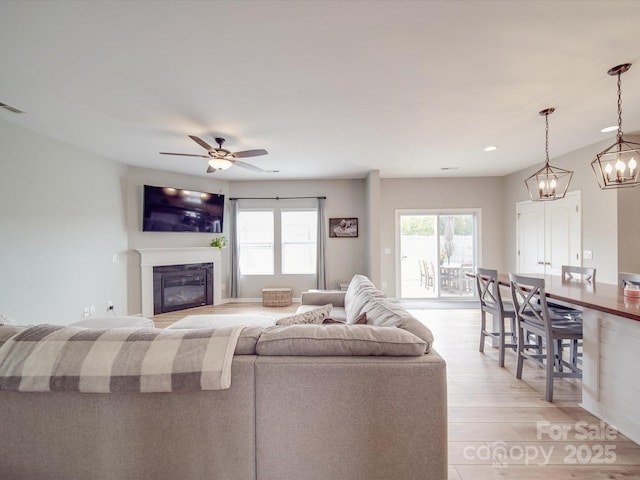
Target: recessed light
{"type": "Point", "coordinates": [449, 168]}
{"type": "Point", "coordinates": [491, 148]}
{"type": "Point", "coordinates": [609, 129]}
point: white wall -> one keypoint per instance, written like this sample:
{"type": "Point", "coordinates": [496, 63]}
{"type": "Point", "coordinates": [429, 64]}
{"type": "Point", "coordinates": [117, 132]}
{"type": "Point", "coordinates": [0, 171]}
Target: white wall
{"type": "Point", "coordinates": [599, 210]}
{"type": "Point", "coordinates": [136, 179]}
{"type": "Point", "coordinates": [61, 221]}
{"type": "Point", "coordinates": [345, 256]}
{"type": "Point", "coordinates": [64, 212]}
{"type": "Point", "coordinates": [484, 193]}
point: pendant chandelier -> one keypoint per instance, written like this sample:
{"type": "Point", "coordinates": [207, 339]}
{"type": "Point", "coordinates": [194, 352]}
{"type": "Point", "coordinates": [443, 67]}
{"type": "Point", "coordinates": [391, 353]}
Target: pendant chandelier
{"type": "Point", "coordinates": [548, 183]}
{"type": "Point", "coordinates": [617, 166]}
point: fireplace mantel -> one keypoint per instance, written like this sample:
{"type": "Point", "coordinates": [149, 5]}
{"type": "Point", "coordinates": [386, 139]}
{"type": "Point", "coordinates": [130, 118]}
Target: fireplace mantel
{"type": "Point", "coordinates": [152, 257]}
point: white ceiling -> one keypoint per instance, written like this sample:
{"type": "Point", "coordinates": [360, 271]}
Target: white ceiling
{"type": "Point", "coordinates": [331, 89]}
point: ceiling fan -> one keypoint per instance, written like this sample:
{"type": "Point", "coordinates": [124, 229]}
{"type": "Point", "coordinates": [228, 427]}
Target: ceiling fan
{"type": "Point", "coordinates": [221, 158]}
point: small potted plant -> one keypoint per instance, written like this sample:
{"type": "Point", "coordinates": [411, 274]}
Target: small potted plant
{"type": "Point", "coordinates": [219, 242]}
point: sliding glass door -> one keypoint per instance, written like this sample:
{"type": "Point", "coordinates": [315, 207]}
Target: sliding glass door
{"type": "Point", "coordinates": [437, 250]}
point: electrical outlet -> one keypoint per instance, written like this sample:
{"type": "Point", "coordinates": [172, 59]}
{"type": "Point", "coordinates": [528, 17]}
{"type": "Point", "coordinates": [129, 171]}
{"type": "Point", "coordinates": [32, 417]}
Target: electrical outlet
{"type": "Point", "coordinates": [86, 312]}
{"type": "Point", "coordinates": [384, 284]}
{"type": "Point", "coordinates": [587, 255]}
{"type": "Point", "coordinates": [109, 305]}
{"type": "Point", "coordinates": [92, 309]}
{"type": "Point", "coordinates": [223, 287]}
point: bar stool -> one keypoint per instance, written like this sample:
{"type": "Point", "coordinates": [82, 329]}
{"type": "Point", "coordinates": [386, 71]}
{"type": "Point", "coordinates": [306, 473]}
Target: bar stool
{"type": "Point", "coordinates": [570, 272]}
{"type": "Point", "coordinates": [588, 274]}
{"type": "Point", "coordinates": [534, 318]}
{"type": "Point", "coordinates": [625, 278]}
{"type": "Point", "coordinates": [491, 302]}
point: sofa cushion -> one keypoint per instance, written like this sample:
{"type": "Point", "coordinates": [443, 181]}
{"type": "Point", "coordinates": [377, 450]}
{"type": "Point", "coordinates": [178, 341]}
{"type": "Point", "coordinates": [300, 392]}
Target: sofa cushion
{"type": "Point", "coordinates": [364, 295]}
{"type": "Point", "coordinates": [361, 320]}
{"type": "Point", "coordinates": [315, 315]}
{"type": "Point", "coordinates": [382, 312]}
{"type": "Point", "coordinates": [247, 340]}
{"type": "Point", "coordinates": [356, 283]}
{"type": "Point", "coordinates": [339, 340]}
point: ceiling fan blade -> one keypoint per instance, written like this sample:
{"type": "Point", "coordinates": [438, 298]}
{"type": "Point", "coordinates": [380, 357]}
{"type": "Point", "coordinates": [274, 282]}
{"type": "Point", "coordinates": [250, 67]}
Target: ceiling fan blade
{"type": "Point", "coordinates": [250, 153]}
{"type": "Point", "coordinates": [185, 154]}
{"type": "Point", "coordinates": [248, 166]}
{"type": "Point", "coordinates": [201, 142]}
{"type": "Point", "coordinates": [210, 169]}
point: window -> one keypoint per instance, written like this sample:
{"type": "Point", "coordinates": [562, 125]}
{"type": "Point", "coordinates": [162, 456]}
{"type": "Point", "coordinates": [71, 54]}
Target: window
{"type": "Point", "coordinates": [255, 238]}
{"type": "Point", "coordinates": [299, 239]}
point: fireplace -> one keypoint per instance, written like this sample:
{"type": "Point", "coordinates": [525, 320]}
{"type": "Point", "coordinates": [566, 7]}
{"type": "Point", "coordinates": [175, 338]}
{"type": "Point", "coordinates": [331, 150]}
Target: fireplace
{"type": "Point", "coordinates": [176, 287]}
{"type": "Point", "coordinates": [151, 258]}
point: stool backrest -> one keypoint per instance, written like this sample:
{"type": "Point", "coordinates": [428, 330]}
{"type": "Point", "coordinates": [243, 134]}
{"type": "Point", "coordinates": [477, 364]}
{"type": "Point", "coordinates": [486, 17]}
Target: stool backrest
{"type": "Point", "coordinates": [489, 290]}
{"type": "Point", "coordinates": [588, 274]}
{"type": "Point", "coordinates": [632, 278]}
{"type": "Point", "coordinates": [530, 301]}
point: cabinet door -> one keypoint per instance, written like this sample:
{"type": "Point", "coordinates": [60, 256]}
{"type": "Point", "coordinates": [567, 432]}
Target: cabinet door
{"type": "Point", "coordinates": [549, 235]}
{"type": "Point", "coordinates": [530, 224]}
{"type": "Point", "coordinates": [562, 233]}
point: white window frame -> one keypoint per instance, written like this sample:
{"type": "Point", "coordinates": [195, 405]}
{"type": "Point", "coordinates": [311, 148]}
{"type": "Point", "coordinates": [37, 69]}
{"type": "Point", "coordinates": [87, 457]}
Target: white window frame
{"type": "Point", "coordinates": [271, 244]}
{"type": "Point", "coordinates": [283, 243]}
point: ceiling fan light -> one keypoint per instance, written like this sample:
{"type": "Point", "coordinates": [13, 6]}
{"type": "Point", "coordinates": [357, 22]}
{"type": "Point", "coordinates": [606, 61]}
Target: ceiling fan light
{"type": "Point", "coordinates": [219, 163]}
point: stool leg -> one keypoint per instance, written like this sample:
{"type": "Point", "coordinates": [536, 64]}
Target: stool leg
{"type": "Point", "coordinates": [483, 329]}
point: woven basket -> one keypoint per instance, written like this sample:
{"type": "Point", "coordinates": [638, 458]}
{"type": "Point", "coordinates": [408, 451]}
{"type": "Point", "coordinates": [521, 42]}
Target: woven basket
{"type": "Point", "coordinates": [276, 297]}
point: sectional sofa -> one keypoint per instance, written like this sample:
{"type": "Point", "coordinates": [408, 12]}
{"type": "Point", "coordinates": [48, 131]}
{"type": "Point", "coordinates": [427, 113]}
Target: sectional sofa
{"type": "Point", "coordinates": [306, 402]}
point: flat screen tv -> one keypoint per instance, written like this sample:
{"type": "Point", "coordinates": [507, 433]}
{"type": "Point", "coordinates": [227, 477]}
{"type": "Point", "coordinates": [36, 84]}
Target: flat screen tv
{"type": "Point", "coordinates": [169, 209]}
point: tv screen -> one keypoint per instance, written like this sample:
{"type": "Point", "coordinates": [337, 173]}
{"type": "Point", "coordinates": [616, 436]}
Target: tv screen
{"type": "Point", "coordinates": [169, 209]}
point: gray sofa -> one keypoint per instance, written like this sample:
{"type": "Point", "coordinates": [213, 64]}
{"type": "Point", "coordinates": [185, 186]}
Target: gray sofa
{"type": "Point", "coordinates": [287, 415]}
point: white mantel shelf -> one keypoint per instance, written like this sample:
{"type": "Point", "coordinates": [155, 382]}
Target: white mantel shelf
{"type": "Point", "coordinates": [153, 257]}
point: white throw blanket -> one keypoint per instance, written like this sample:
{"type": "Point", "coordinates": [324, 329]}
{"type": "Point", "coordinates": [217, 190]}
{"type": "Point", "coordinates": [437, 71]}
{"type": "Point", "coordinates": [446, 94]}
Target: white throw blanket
{"type": "Point", "coordinates": [47, 358]}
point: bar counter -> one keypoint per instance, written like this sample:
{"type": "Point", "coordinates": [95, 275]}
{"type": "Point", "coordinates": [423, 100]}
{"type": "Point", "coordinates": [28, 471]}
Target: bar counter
{"type": "Point", "coordinates": [611, 348]}
{"type": "Point", "coordinates": [602, 297]}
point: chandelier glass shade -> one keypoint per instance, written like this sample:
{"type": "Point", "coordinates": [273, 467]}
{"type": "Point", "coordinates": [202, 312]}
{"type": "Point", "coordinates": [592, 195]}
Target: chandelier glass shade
{"type": "Point", "coordinates": [617, 166]}
{"type": "Point", "coordinates": [219, 163]}
{"type": "Point", "coordinates": [549, 183]}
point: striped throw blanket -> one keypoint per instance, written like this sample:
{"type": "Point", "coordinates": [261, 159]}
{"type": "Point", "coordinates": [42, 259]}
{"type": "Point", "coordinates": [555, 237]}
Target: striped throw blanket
{"type": "Point", "coordinates": [48, 358]}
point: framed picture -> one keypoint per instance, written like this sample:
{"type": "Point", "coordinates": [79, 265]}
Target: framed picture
{"type": "Point", "coordinates": [343, 227]}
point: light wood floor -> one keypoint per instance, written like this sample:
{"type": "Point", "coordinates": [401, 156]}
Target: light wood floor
{"type": "Point", "coordinates": [501, 427]}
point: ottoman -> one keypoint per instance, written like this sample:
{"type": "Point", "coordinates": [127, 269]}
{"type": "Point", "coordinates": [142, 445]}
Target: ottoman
{"type": "Point", "coordinates": [223, 320]}
{"type": "Point", "coordinates": [114, 322]}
